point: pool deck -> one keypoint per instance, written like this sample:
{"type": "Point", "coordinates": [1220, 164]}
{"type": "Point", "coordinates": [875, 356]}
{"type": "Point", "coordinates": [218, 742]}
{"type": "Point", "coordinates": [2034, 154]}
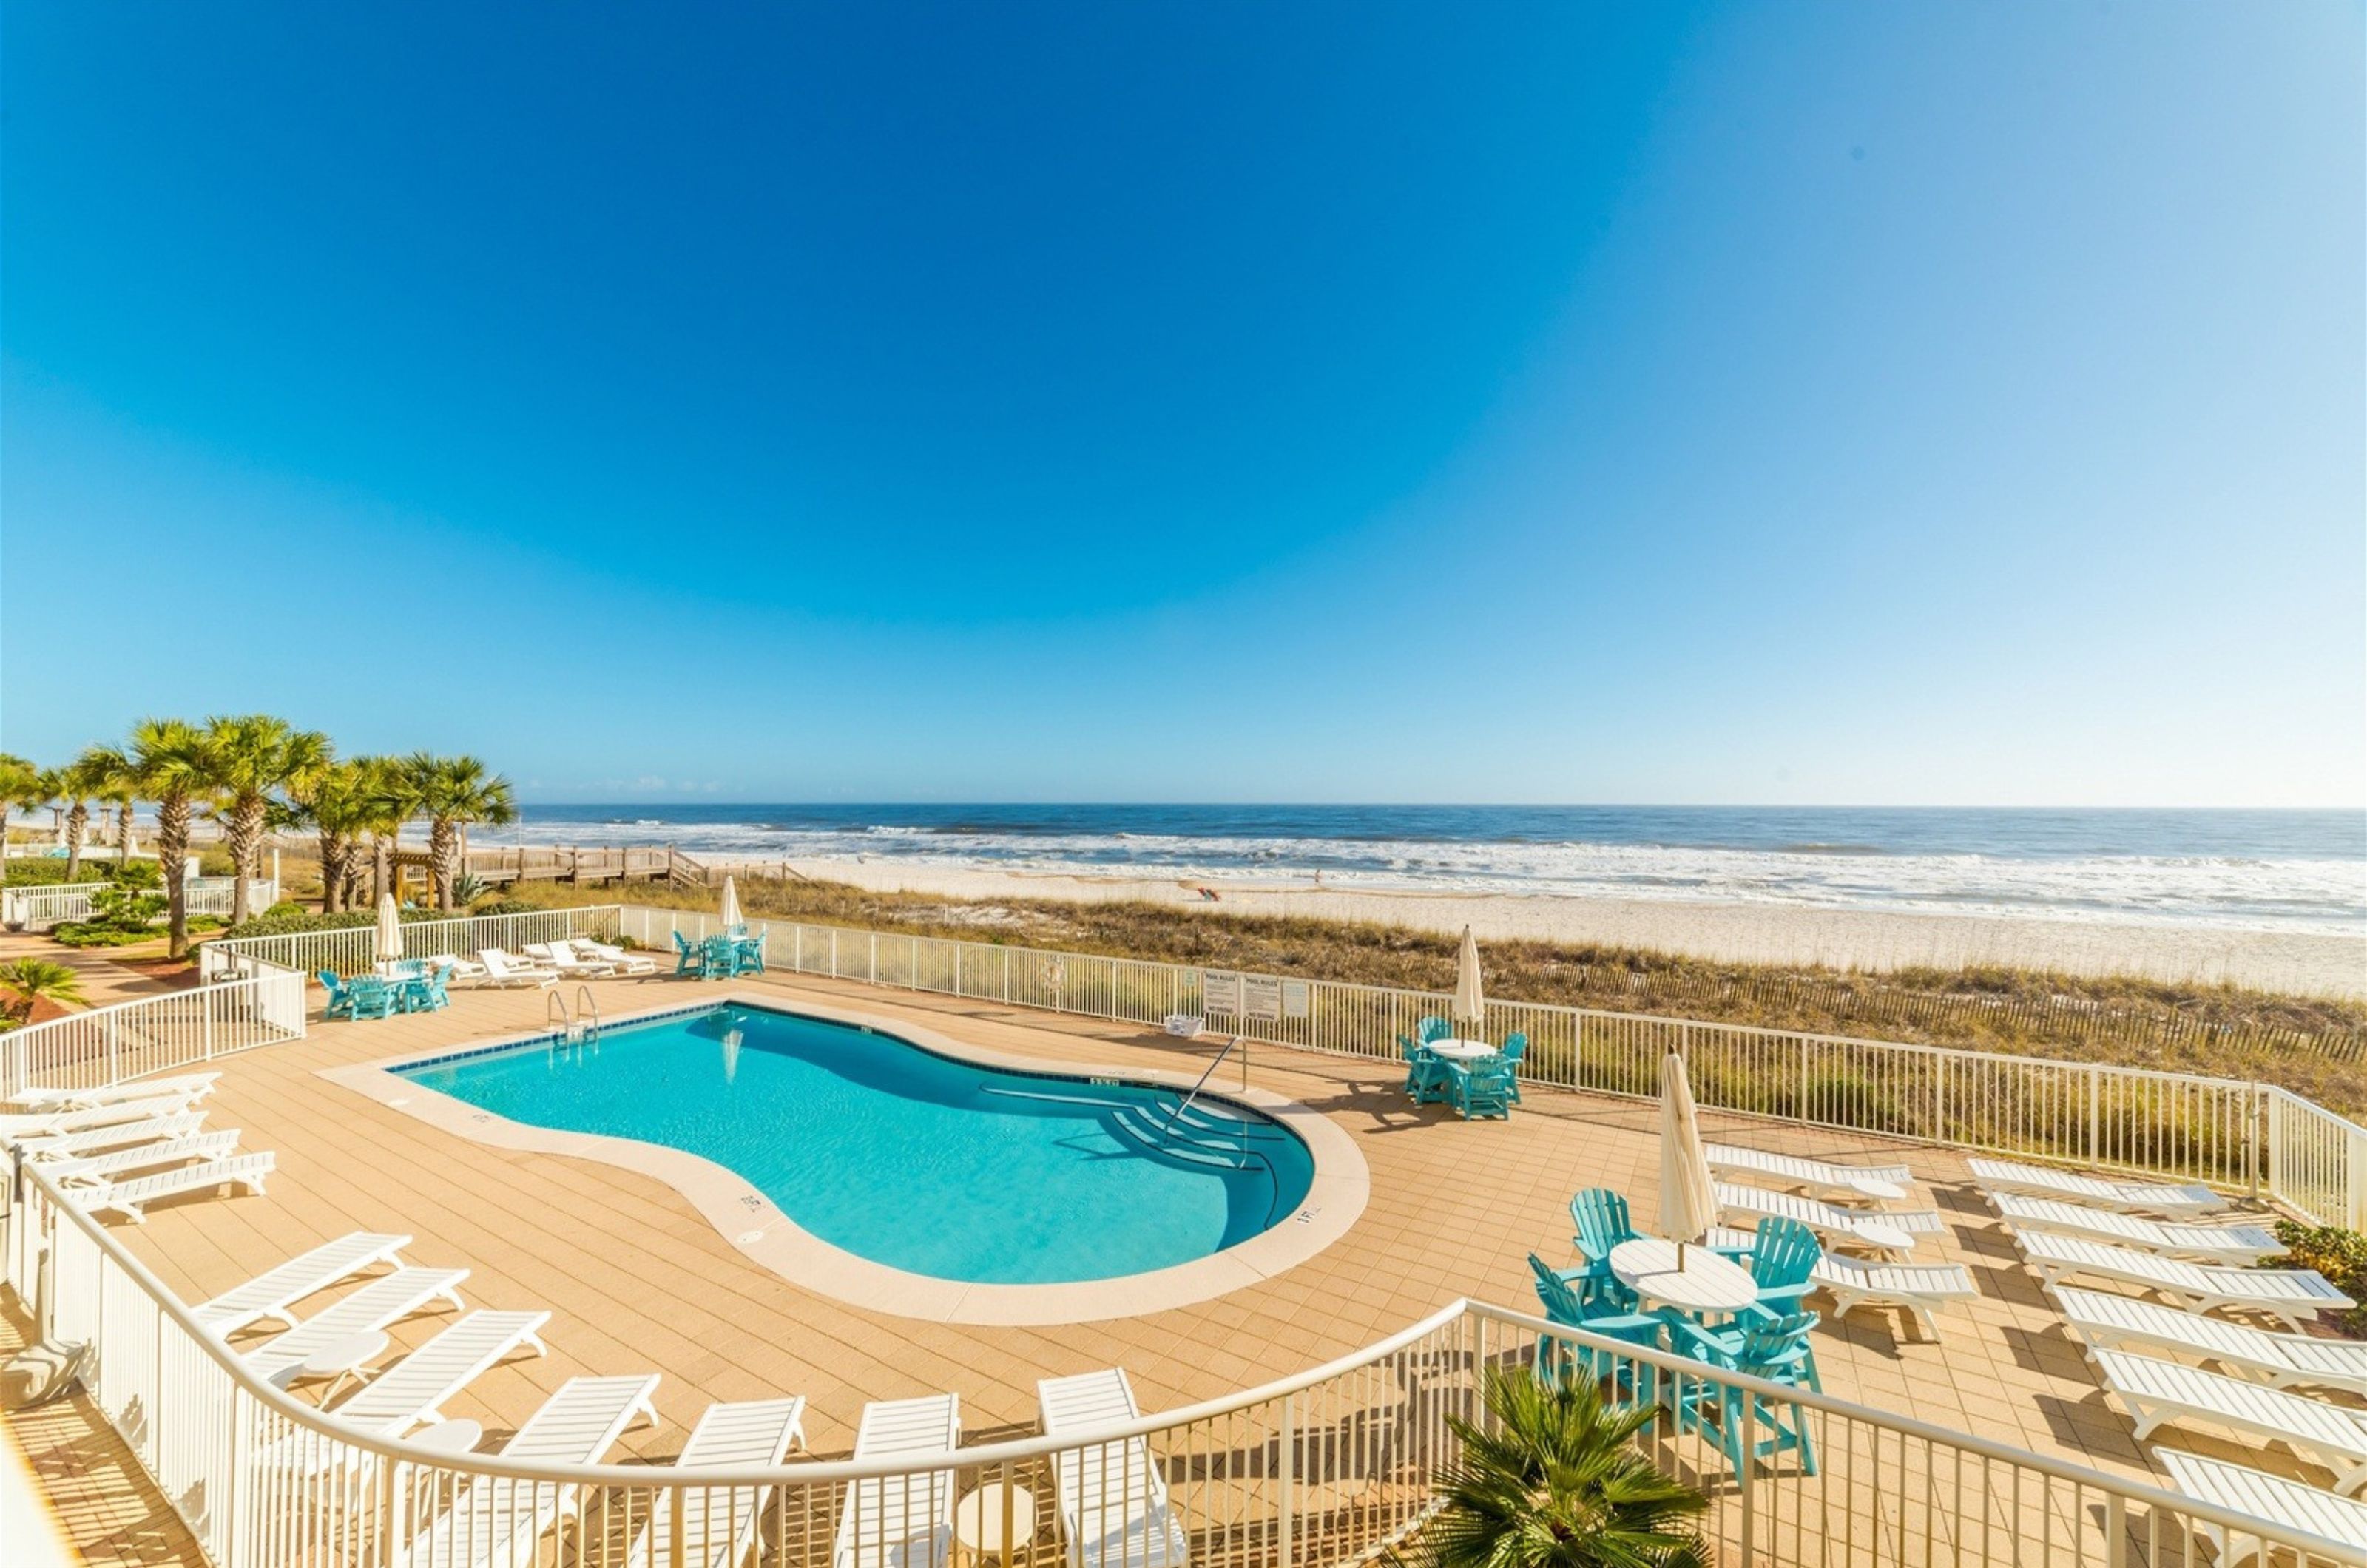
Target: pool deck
{"type": "Point", "coordinates": [638, 1279]}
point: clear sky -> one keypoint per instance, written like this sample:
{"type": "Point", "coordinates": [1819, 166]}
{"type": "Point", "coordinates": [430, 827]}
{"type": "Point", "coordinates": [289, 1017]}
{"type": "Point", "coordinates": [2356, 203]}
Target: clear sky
{"type": "Point", "coordinates": [1844, 403]}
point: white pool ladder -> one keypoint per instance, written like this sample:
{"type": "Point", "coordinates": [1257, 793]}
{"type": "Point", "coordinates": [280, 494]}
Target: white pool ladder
{"type": "Point", "coordinates": [577, 1025]}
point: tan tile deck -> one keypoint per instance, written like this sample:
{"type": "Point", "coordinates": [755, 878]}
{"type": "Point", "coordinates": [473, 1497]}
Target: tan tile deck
{"type": "Point", "coordinates": [638, 1280]}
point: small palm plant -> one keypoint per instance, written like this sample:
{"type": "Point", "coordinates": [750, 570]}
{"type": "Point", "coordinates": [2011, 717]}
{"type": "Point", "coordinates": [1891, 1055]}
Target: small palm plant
{"type": "Point", "coordinates": [1556, 1481]}
{"type": "Point", "coordinates": [31, 979]}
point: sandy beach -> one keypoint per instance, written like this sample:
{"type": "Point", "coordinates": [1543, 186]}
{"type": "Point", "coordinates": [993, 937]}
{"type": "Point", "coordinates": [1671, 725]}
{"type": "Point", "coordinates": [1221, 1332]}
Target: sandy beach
{"type": "Point", "coordinates": [2297, 962]}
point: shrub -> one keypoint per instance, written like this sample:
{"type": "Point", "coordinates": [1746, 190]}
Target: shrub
{"type": "Point", "coordinates": [508, 907]}
{"type": "Point", "coordinates": [216, 862]}
{"type": "Point", "coordinates": [97, 934]}
{"type": "Point", "coordinates": [2340, 1254]}
{"type": "Point", "coordinates": [29, 979]}
{"type": "Point", "coordinates": [43, 872]}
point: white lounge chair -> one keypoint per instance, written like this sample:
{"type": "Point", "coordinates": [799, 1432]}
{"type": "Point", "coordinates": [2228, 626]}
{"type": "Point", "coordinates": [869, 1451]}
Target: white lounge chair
{"type": "Point", "coordinates": [2295, 1505]}
{"type": "Point", "coordinates": [2177, 1200]}
{"type": "Point", "coordinates": [189, 1089]}
{"type": "Point", "coordinates": [121, 1134]}
{"type": "Point", "coordinates": [900, 1521]}
{"type": "Point", "coordinates": [500, 1523]}
{"type": "Point", "coordinates": [412, 1392]}
{"type": "Point", "coordinates": [132, 1198]}
{"type": "Point", "coordinates": [616, 958]}
{"type": "Point", "coordinates": [1919, 1288]}
{"type": "Point", "coordinates": [50, 1123]}
{"type": "Point", "coordinates": [143, 1156]}
{"type": "Point", "coordinates": [1112, 1499]}
{"type": "Point", "coordinates": [1858, 1227]}
{"type": "Point", "coordinates": [1883, 1183]}
{"type": "Point", "coordinates": [2153, 1391]}
{"type": "Point", "coordinates": [507, 969]}
{"type": "Point", "coordinates": [2240, 1244]}
{"type": "Point", "coordinates": [272, 1292]}
{"type": "Point", "coordinates": [463, 971]}
{"type": "Point", "coordinates": [563, 957]}
{"type": "Point", "coordinates": [2286, 1292]}
{"type": "Point", "coordinates": [385, 1300]}
{"type": "Point", "coordinates": [719, 1524]}
{"type": "Point", "coordinates": [2280, 1361]}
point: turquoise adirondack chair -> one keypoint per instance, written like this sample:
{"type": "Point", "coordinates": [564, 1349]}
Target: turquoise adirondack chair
{"type": "Point", "coordinates": [688, 959]}
{"type": "Point", "coordinates": [1425, 1073]}
{"type": "Point", "coordinates": [1431, 1028]}
{"type": "Point", "coordinates": [1516, 1045]}
{"type": "Point", "coordinates": [1778, 1351]}
{"type": "Point", "coordinates": [1784, 1254]}
{"type": "Point", "coordinates": [1559, 1356]}
{"type": "Point", "coordinates": [1600, 1217]}
{"type": "Point", "coordinates": [1485, 1087]}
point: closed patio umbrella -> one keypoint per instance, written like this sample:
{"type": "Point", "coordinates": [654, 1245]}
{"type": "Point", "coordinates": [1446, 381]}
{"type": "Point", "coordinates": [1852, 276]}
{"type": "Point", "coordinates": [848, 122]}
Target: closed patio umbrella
{"type": "Point", "coordinates": [389, 929]}
{"type": "Point", "coordinates": [731, 905]}
{"type": "Point", "coordinates": [1688, 1193]}
{"type": "Point", "coordinates": [1470, 1007]}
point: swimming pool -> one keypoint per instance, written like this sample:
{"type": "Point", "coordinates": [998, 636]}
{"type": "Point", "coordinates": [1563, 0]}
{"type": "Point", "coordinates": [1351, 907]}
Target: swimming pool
{"type": "Point", "coordinates": [909, 1159]}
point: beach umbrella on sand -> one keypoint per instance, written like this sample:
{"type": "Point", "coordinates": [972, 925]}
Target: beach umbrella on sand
{"type": "Point", "coordinates": [730, 903]}
{"type": "Point", "coordinates": [1688, 1195]}
{"type": "Point", "coordinates": [389, 927]}
{"type": "Point", "coordinates": [1470, 1007]}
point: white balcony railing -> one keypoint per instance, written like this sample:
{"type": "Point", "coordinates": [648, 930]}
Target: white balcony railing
{"type": "Point", "coordinates": [2182, 1126]}
{"type": "Point", "coordinates": [1323, 1469]}
{"type": "Point", "coordinates": [152, 1035]}
{"type": "Point", "coordinates": [351, 949]}
{"type": "Point", "coordinates": [40, 907]}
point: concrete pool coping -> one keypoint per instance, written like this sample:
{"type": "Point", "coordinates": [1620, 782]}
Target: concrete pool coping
{"type": "Point", "coordinates": [763, 1233]}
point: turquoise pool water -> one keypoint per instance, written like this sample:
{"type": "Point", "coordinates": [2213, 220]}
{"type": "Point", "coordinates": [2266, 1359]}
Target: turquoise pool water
{"type": "Point", "coordinates": [910, 1158]}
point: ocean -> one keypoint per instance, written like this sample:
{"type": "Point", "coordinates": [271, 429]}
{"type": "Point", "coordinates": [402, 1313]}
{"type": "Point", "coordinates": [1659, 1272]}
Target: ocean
{"type": "Point", "coordinates": [2288, 871]}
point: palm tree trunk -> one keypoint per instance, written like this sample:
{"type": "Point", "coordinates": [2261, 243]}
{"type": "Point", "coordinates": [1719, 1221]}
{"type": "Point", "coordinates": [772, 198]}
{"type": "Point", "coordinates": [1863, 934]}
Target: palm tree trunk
{"type": "Point", "coordinates": [333, 854]}
{"type": "Point", "coordinates": [172, 851]}
{"type": "Point", "coordinates": [442, 844]}
{"type": "Point", "coordinates": [122, 835]}
{"type": "Point", "coordinates": [245, 846]}
{"type": "Point", "coordinates": [77, 821]}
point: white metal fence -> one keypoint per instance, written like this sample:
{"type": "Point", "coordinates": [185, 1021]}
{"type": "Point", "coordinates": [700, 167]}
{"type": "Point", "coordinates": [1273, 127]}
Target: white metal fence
{"type": "Point", "coordinates": [351, 949]}
{"type": "Point", "coordinates": [38, 909]}
{"type": "Point", "coordinates": [85, 1050]}
{"type": "Point", "coordinates": [2178, 1126]}
{"type": "Point", "coordinates": [1323, 1469]}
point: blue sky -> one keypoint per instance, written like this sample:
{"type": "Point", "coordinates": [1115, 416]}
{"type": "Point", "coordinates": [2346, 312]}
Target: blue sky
{"type": "Point", "coordinates": [1863, 403]}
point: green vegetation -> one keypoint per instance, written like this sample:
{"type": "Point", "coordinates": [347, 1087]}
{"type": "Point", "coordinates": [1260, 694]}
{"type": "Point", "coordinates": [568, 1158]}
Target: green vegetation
{"type": "Point", "coordinates": [29, 980]}
{"type": "Point", "coordinates": [2311, 1047]}
{"type": "Point", "coordinates": [45, 871]}
{"type": "Point", "coordinates": [2340, 1254]}
{"type": "Point", "coordinates": [1557, 1479]}
{"type": "Point", "coordinates": [254, 773]}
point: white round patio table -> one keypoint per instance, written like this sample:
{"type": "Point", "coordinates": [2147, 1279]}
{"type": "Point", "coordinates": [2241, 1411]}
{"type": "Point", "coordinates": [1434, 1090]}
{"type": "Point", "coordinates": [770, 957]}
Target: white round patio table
{"type": "Point", "coordinates": [1707, 1283]}
{"type": "Point", "coordinates": [456, 1436]}
{"type": "Point", "coordinates": [1461, 1050]}
{"type": "Point", "coordinates": [340, 1360]}
{"type": "Point", "coordinates": [1874, 1187]}
{"type": "Point", "coordinates": [1883, 1238]}
{"type": "Point", "coordinates": [980, 1519]}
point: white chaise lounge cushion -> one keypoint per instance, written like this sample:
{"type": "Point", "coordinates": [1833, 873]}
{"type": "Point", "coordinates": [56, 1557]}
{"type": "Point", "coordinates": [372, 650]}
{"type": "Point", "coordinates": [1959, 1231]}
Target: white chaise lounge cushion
{"type": "Point", "coordinates": [1851, 1225]}
{"type": "Point", "coordinates": [2155, 1197]}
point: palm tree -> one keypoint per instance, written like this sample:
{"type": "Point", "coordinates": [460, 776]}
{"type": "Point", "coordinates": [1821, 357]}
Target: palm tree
{"type": "Point", "coordinates": [169, 761]}
{"type": "Point", "coordinates": [337, 803]}
{"type": "Point", "coordinates": [16, 776]}
{"type": "Point", "coordinates": [105, 775]}
{"type": "Point", "coordinates": [30, 979]}
{"type": "Point", "coordinates": [389, 797]}
{"type": "Point", "coordinates": [76, 783]}
{"type": "Point", "coordinates": [454, 792]}
{"type": "Point", "coordinates": [1556, 1481]}
{"type": "Point", "coordinates": [256, 754]}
